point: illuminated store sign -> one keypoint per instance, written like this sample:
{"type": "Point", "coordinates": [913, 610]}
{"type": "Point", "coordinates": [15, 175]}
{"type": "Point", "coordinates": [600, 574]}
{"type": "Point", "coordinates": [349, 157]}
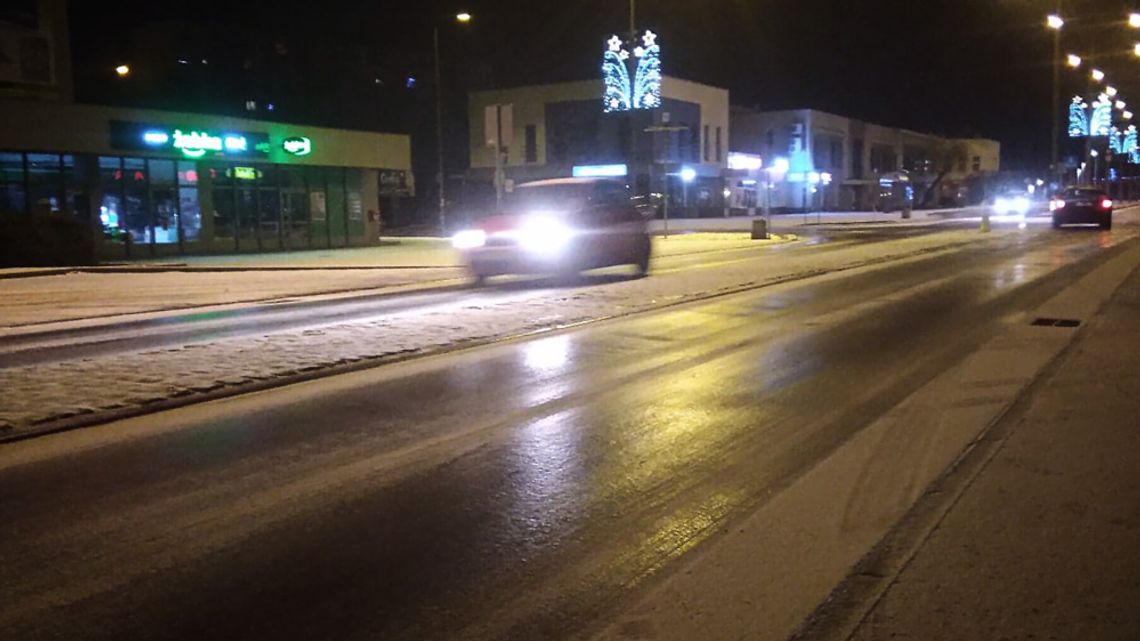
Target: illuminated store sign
{"type": "Point", "coordinates": [191, 142]}
{"type": "Point", "coordinates": [594, 171]}
{"type": "Point", "coordinates": [298, 146]}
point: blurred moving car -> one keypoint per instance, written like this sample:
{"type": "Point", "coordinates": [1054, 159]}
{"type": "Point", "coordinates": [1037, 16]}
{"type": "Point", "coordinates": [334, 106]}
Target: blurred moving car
{"type": "Point", "coordinates": [1012, 203]}
{"type": "Point", "coordinates": [558, 226]}
{"type": "Point", "coordinates": [1082, 205]}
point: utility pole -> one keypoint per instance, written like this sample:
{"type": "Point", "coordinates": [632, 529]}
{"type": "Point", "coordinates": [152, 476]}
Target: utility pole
{"type": "Point", "coordinates": [439, 134]}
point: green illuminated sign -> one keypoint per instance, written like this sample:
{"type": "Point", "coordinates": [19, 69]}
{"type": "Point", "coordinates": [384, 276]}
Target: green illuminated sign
{"type": "Point", "coordinates": [297, 145]}
{"type": "Point", "coordinates": [191, 143]}
{"type": "Point", "coordinates": [245, 173]}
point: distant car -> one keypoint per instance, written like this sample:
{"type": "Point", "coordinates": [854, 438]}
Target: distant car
{"type": "Point", "coordinates": [558, 226]}
{"type": "Point", "coordinates": [1082, 205]}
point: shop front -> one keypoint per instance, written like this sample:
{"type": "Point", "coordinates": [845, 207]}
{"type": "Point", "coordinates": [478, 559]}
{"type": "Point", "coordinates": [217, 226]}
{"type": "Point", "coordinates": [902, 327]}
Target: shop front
{"type": "Point", "coordinates": [140, 184]}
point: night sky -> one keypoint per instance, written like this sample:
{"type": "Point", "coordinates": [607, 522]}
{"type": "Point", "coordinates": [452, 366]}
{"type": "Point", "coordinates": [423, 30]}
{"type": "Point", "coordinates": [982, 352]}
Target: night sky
{"type": "Point", "coordinates": [964, 68]}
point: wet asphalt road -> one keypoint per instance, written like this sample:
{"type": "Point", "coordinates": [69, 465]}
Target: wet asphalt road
{"type": "Point", "coordinates": [172, 330]}
{"type": "Point", "coordinates": [520, 491]}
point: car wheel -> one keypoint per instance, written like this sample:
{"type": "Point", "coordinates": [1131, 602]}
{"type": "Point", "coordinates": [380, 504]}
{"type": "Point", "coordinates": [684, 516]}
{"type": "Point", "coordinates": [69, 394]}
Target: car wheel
{"type": "Point", "coordinates": [1056, 223]}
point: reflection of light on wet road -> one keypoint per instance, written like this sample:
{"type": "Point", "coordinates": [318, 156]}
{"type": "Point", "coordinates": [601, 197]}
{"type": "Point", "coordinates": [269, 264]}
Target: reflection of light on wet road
{"type": "Point", "coordinates": [548, 469]}
{"type": "Point", "coordinates": [546, 354]}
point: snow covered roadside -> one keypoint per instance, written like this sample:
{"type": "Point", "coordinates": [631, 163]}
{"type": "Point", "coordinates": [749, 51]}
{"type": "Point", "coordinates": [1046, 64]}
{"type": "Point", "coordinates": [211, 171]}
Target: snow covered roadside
{"type": "Point", "coordinates": [47, 397]}
{"type": "Point", "coordinates": [426, 263]}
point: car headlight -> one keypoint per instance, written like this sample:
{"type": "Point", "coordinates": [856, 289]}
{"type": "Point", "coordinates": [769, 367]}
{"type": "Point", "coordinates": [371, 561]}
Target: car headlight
{"type": "Point", "coordinates": [469, 239]}
{"type": "Point", "coordinates": [544, 234]}
{"type": "Point", "coordinates": [1001, 205]}
{"type": "Point", "coordinates": [1020, 205]}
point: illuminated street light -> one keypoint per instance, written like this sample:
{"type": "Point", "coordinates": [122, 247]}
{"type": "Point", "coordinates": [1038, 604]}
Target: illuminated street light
{"type": "Point", "coordinates": [123, 70]}
{"type": "Point", "coordinates": [1097, 75]}
{"type": "Point", "coordinates": [1110, 91]}
{"type": "Point", "coordinates": [1134, 20]}
{"type": "Point", "coordinates": [1127, 115]}
{"type": "Point", "coordinates": [1054, 21]}
{"type": "Point", "coordinates": [1121, 105]}
{"type": "Point", "coordinates": [463, 16]}
{"type": "Point", "coordinates": [688, 174]}
{"type": "Point", "coordinates": [1074, 60]}
{"type": "Point", "coordinates": [1094, 153]}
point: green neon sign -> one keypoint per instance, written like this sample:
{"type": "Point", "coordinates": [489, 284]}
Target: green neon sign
{"type": "Point", "coordinates": [245, 173]}
{"type": "Point", "coordinates": [297, 145]}
{"type": "Point", "coordinates": [195, 144]}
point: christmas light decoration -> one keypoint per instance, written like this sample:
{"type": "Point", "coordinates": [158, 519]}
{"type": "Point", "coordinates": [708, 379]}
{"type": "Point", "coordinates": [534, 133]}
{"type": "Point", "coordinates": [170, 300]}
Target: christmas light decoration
{"type": "Point", "coordinates": [1078, 118]}
{"type": "Point", "coordinates": [1115, 141]}
{"type": "Point", "coordinates": [644, 92]}
{"type": "Point", "coordinates": [1101, 121]}
{"type": "Point", "coordinates": [1129, 145]}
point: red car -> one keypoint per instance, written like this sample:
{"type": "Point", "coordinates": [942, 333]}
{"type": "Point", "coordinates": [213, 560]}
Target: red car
{"type": "Point", "coordinates": [1087, 205]}
{"type": "Point", "coordinates": [558, 226]}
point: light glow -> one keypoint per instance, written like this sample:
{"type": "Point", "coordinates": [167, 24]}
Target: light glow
{"type": "Point", "coordinates": [1134, 20]}
{"type": "Point", "coordinates": [1015, 205]}
{"type": "Point", "coordinates": [195, 144]}
{"type": "Point", "coordinates": [639, 88]}
{"type": "Point", "coordinates": [544, 234]}
{"type": "Point", "coordinates": [1110, 91]}
{"type": "Point", "coordinates": [1074, 60]}
{"type": "Point", "coordinates": [599, 171]}
{"type": "Point", "coordinates": [463, 17]}
{"type": "Point", "coordinates": [1054, 21]}
{"type": "Point", "coordinates": [742, 161]}
{"type": "Point", "coordinates": [1101, 121]}
{"type": "Point", "coordinates": [688, 174]}
{"type": "Point", "coordinates": [155, 137]}
{"type": "Point", "coordinates": [297, 146]}
{"type": "Point", "coordinates": [1097, 75]}
{"type": "Point", "coordinates": [123, 70]}
{"type": "Point", "coordinates": [469, 239]}
{"type": "Point", "coordinates": [781, 165]}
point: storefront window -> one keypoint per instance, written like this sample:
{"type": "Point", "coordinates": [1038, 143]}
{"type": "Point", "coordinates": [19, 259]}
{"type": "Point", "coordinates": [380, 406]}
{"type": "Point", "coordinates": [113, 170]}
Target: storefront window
{"type": "Point", "coordinates": [111, 204]}
{"type": "Point", "coordinates": [188, 209]}
{"type": "Point", "coordinates": [75, 186]}
{"type": "Point", "coordinates": [138, 218]}
{"type": "Point", "coordinates": [225, 210]}
{"type": "Point", "coordinates": [45, 183]}
{"type": "Point", "coordinates": [354, 203]}
{"type": "Point", "coordinates": [338, 225]}
{"type": "Point", "coordinates": [12, 196]}
{"type": "Point", "coordinates": [163, 198]}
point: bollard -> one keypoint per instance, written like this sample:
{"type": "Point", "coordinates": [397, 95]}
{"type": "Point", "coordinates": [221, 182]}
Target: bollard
{"type": "Point", "coordinates": [760, 229]}
{"type": "Point", "coordinates": [985, 223]}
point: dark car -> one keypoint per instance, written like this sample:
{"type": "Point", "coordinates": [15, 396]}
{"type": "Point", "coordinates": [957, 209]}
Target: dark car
{"type": "Point", "coordinates": [558, 226]}
{"type": "Point", "coordinates": [1082, 205]}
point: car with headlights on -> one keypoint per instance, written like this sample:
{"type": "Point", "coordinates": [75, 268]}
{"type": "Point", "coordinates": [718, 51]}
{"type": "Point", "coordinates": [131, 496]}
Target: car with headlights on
{"type": "Point", "coordinates": [1012, 203]}
{"type": "Point", "coordinates": [558, 226]}
{"type": "Point", "coordinates": [1082, 205]}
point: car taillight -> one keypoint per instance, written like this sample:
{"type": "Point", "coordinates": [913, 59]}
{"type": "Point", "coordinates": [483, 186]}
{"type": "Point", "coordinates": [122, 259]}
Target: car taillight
{"type": "Point", "coordinates": [1106, 204]}
{"type": "Point", "coordinates": [1056, 204]}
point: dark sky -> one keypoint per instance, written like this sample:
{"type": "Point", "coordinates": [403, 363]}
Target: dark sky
{"type": "Point", "coordinates": [964, 67]}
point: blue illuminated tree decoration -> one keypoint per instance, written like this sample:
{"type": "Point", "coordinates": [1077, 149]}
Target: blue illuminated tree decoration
{"type": "Point", "coordinates": [1115, 141]}
{"type": "Point", "coordinates": [644, 92]}
{"type": "Point", "coordinates": [1101, 122]}
{"type": "Point", "coordinates": [1129, 145]}
{"type": "Point", "coordinates": [647, 79]}
{"type": "Point", "coordinates": [615, 75]}
{"type": "Point", "coordinates": [1078, 118]}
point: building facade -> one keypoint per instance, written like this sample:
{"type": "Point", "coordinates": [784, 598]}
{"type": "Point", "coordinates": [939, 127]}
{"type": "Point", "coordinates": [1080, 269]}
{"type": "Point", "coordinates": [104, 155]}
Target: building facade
{"type": "Point", "coordinates": [817, 160]}
{"type": "Point", "coordinates": [559, 130]}
{"type": "Point", "coordinates": [80, 183]}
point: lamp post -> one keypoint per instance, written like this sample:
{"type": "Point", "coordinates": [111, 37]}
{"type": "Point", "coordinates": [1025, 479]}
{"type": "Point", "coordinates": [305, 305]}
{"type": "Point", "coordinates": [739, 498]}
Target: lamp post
{"type": "Point", "coordinates": [1055, 23]}
{"type": "Point", "coordinates": [463, 18]}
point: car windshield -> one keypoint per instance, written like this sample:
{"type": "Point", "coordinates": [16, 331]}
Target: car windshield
{"type": "Point", "coordinates": [552, 197]}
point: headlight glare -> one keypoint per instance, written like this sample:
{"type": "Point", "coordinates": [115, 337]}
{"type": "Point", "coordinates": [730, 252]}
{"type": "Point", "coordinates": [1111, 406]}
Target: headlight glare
{"type": "Point", "coordinates": [469, 239]}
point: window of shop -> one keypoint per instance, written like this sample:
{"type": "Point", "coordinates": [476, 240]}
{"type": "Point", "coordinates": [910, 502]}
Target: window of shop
{"type": "Point", "coordinates": [336, 203]}
{"type": "Point", "coordinates": [111, 204]}
{"type": "Point", "coordinates": [531, 143]}
{"type": "Point", "coordinates": [222, 196]}
{"type": "Point", "coordinates": [354, 202]}
{"type": "Point", "coordinates": [13, 198]}
{"type": "Point", "coordinates": [76, 184]}
{"type": "Point", "coordinates": [705, 144]}
{"type": "Point", "coordinates": [164, 200]}
{"type": "Point", "coordinates": [45, 183]}
{"type": "Point", "coordinates": [189, 212]}
{"type": "Point", "coordinates": [137, 201]}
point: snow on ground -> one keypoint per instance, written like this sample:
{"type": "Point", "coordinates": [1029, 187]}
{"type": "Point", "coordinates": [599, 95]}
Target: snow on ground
{"type": "Point", "coordinates": [37, 394]}
{"type": "Point", "coordinates": [82, 294]}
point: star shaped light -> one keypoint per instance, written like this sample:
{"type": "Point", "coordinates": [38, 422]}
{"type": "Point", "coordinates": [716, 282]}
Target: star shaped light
{"type": "Point", "coordinates": [614, 43]}
{"type": "Point", "coordinates": [623, 54]}
{"type": "Point", "coordinates": [649, 39]}
{"type": "Point", "coordinates": [639, 52]}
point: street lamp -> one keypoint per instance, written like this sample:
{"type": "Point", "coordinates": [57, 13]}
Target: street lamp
{"type": "Point", "coordinates": [1136, 49]}
{"type": "Point", "coordinates": [1097, 75]}
{"type": "Point", "coordinates": [1054, 22]}
{"type": "Point", "coordinates": [1074, 60]}
{"type": "Point", "coordinates": [1127, 115]}
{"type": "Point", "coordinates": [123, 71]}
{"type": "Point", "coordinates": [1134, 20]}
{"type": "Point", "coordinates": [688, 175]}
{"type": "Point", "coordinates": [463, 18]}
{"type": "Point", "coordinates": [1121, 105]}
{"type": "Point", "coordinates": [1110, 91]}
